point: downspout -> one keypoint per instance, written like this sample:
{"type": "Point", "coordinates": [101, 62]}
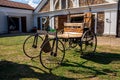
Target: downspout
{"type": "Point", "coordinates": [118, 11]}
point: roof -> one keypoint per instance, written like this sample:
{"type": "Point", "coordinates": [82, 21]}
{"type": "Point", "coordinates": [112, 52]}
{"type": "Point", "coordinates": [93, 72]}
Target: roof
{"type": "Point", "coordinates": [12, 4]}
{"type": "Point", "coordinates": [40, 5]}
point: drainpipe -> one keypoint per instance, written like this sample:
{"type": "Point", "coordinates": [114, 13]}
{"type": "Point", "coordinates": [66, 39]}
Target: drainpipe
{"type": "Point", "coordinates": [118, 17]}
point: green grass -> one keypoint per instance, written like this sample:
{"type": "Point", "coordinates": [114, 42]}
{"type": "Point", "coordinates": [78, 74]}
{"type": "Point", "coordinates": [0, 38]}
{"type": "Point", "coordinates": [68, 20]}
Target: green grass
{"type": "Point", "coordinates": [14, 65]}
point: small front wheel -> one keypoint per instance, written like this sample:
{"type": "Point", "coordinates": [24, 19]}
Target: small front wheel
{"type": "Point", "coordinates": [52, 54]}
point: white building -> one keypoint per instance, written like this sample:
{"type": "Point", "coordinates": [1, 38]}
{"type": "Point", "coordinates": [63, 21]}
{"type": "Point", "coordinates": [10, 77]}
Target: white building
{"type": "Point", "coordinates": [105, 12]}
{"type": "Point", "coordinates": [15, 17]}
{"type": "Point", "coordinates": [21, 17]}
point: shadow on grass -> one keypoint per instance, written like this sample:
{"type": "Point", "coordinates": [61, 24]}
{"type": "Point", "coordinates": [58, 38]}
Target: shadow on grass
{"type": "Point", "coordinates": [92, 71]}
{"type": "Point", "coordinates": [103, 57]}
{"type": "Point", "coordinates": [14, 71]}
{"type": "Point", "coordinates": [88, 71]}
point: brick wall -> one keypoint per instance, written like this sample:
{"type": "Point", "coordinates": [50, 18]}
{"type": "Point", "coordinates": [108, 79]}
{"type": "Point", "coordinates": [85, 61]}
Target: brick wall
{"type": "Point", "coordinates": [46, 7]}
{"type": "Point", "coordinates": [91, 2]}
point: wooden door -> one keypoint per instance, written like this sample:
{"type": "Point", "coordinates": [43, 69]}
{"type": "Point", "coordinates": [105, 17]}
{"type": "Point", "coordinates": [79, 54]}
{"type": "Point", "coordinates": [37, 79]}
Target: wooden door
{"type": "Point", "coordinates": [23, 24]}
{"type": "Point", "coordinates": [59, 22]}
{"type": "Point", "coordinates": [13, 24]}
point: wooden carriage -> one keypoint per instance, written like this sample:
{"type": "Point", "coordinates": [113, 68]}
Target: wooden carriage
{"type": "Point", "coordinates": [76, 30]}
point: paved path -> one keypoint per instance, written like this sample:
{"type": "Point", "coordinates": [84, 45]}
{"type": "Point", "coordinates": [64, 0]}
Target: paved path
{"type": "Point", "coordinates": [112, 41]}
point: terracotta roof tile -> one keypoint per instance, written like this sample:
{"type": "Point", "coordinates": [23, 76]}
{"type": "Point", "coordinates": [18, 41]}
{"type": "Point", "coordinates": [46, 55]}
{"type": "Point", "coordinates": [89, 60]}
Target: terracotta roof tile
{"type": "Point", "coordinates": [7, 3]}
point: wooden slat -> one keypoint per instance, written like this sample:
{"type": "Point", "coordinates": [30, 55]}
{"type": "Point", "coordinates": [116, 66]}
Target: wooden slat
{"type": "Point", "coordinates": [77, 15]}
{"type": "Point", "coordinates": [74, 24]}
{"type": "Point", "coordinates": [69, 35]}
{"type": "Point", "coordinates": [77, 30]}
{"type": "Point", "coordinates": [73, 27]}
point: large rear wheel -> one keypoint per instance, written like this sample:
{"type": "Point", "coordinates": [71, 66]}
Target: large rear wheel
{"type": "Point", "coordinates": [31, 46]}
{"type": "Point", "coordinates": [52, 54]}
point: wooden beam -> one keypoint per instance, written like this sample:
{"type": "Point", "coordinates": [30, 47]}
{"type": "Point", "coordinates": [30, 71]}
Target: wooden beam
{"type": "Point", "coordinates": [60, 4]}
{"type": "Point", "coordinates": [78, 5]}
{"type": "Point", "coordinates": [51, 5]}
{"type": "Point", "coordinates": [94, 8]}
{"type": "Point", "coordinates": [55, 4]}
{"type": "Point", "coordinates": [66, 4]}
{"type": "Point", "coordinates": [77, 15]}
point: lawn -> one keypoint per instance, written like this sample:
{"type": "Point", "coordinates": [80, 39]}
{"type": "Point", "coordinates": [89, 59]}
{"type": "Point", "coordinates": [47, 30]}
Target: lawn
{"type": "Point", "coordinates": [14, 65]}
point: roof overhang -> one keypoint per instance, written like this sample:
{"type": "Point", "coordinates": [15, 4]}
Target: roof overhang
{"type": "Point", "coordinates": [40, 5]}
{"type": "Point", "coordinates": [94, 9]}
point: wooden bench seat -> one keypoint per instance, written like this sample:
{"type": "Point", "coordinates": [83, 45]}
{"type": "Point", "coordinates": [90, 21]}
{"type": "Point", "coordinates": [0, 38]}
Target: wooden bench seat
{"type": "Point", "coordinates": [72, 30]}
{"type": "Point", "coordinates": [70, 35]}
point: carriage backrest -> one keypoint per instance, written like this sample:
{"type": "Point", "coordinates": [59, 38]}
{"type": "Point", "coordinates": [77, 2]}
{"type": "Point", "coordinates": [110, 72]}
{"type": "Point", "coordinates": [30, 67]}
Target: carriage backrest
{"type": "Point", "coordinates": [87, 19]}
{"type": "Point", "coordinates": [73, 27]}
{"type": "Point", "coordinates": [78, 27]}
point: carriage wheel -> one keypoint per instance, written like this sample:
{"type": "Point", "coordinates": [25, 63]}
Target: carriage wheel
{"type": "Point", "coordinates": [31, 46]}
{"type": "Point", "coordinates": [68, 44]}
{"type": "Point", "coordinates": [89, 43]}
{"type": "Point", "coordinates": [49, 57]}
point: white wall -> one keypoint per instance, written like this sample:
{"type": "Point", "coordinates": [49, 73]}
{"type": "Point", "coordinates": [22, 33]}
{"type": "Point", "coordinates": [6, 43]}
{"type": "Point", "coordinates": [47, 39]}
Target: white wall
{"type": "Point", "coordinates": [111, 1]}
{"type": "Point", "coordinates": [4, 12]}
{"type": "Point", "coordinates": [110, 22]}
{"type": "Point", "coordinates": [3, 23]}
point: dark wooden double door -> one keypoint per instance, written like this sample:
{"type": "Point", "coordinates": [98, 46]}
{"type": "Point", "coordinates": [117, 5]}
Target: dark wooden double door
{"type": "Point", "coordinates": [14, 24]}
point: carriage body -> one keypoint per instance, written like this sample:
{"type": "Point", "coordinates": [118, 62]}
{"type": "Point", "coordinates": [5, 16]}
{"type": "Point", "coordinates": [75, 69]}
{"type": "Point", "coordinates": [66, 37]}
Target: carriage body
{"type": "Point", "coordinates": [53, 47]}
{"type": "Point", "coordinates": [81, 34]}
{"type": "Point", "coordinates": [73, 35]}
{"type": "Point", "coordinates": [76, 30]}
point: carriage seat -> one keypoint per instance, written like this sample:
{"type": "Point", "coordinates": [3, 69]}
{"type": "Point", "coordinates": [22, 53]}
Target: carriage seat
{"type": "Point", "coordinates": [72, 30]}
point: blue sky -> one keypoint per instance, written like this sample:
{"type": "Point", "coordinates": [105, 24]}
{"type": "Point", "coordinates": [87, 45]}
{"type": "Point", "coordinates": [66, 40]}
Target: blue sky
{"type": "Point", "coordinates": [33, 3]}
